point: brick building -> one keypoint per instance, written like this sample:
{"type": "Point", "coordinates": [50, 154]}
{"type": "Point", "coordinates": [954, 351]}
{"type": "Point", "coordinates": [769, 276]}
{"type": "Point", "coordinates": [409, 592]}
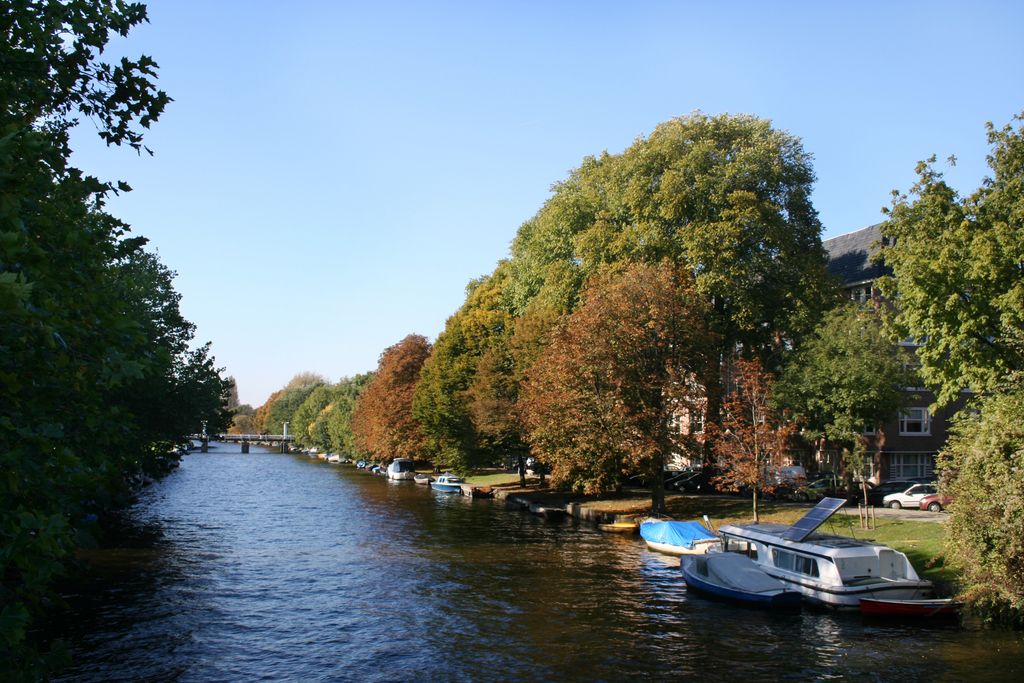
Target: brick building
{"type": "Point", "coordinates": [906, 446]}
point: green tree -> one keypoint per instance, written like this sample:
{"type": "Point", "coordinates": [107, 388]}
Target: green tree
{"type": "Point", "coordinates": [957, 273]}
{"type": "Point", "coordinates": [727, 197]}
{"type": "Point", "coordinates": [337, 417]}
{"type": "Point", "coordinates": [982, 470]}
{"type": "Point", "coordinates": [846, 377]}
{"type": "Point", "coordinates": [305, 416]}
{"type": "Point", "coordinates": [97, 373]}
{"type": "Point", "coordinates": [441, 404]}
{"type": "Point", "coordinates": [600, 400]}
{"type": "Point", "coordinates": [282, 405]}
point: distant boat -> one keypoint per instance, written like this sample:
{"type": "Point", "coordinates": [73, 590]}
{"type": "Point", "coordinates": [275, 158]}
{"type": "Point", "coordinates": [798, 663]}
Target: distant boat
{"type": "Point", "coordinates": [334, 458]}
{"type": "Point", "coordinates": [678, 538]}
{"type": "Point", "coordinates": [737, 578]}
{"type": "Point", "coordinates": [422, 479]}
{"type": "Point", "coordinates": [910, 609]}
{"type": "Point", "coordinates": [401, 469]}
{"type": "Point", "coordinates": [448, 483]}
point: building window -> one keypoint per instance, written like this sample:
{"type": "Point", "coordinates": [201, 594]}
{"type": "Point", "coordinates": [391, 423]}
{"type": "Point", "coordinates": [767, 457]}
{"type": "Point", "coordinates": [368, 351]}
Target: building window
{"type": "Point", "coordinates": [861, 294]}
{"type": "Point", "coordinates": [869, 430]}
{"type": "Point", "coordinates": [914, 422]}
{"type": "Point", "coordinates": [911, 465]}
{"type": "Point", "coordinates": [697, 421]}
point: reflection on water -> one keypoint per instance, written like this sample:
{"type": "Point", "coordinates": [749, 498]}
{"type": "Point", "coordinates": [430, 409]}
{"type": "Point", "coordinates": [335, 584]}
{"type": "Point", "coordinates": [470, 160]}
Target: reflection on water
{"type": "Point", "coordinates": [263, 566]}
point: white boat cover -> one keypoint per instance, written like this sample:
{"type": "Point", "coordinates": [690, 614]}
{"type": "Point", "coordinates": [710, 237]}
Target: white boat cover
{"type": "Point", "coordinates": [733, 570]}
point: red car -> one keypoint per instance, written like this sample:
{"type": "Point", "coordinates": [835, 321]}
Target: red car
{"type": "Point", "coordinates": [935, 502]}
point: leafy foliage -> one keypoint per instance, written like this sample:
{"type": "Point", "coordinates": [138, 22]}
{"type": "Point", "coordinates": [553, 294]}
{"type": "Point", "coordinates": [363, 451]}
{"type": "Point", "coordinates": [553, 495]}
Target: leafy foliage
{"type": "Point", "coordinates": [382, 422]}
{"type": "Point", "coordinates": [726, 196]}
{"type": "Point", "coordinates": [983, 470]}
{"type": "Point", "coordinates": [752, 438]}
{"type": "Point", "coordinates": [846, 377]}
{"type": "Point", "coordinates": [599, 400]}
{"type": "Point", "coordinates": [441, 404]}
{"type": "Point", "coordinates": [958, 270]}
{"type": "Point", "coordinates": [98, 374]}
{"type": "Point", "coordinates": [336, 418]}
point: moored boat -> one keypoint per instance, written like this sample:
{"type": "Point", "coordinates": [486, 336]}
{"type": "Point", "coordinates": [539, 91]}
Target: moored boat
{"type": "Point", "coordinates": [422, 479]}
{"type": "Point", "coordinates": [835, 571]}
{"type": "Point", "coordinates": [737, 578]}
{"type": "Point", "coordinates": [449, 483]}
{"type": "Point", "coordinates": [910, 609]}
{"type": "Point", "coordinates": [678, 538]}
{"type": "Point", "coordinates": [620, 527]}
{"type": "Point", "coordinates": [401, 469]}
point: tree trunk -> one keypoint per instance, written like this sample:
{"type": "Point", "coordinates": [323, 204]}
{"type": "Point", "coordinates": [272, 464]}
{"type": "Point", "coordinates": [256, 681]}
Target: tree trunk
{"type": "Point", "coordinates": [658, 491]}
{"type": "Point", "coordinates": [756, 517]}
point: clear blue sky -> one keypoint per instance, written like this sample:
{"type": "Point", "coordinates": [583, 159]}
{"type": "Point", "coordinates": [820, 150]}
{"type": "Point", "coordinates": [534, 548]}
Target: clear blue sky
{"type": "Point", "coordinates": [331, 175]}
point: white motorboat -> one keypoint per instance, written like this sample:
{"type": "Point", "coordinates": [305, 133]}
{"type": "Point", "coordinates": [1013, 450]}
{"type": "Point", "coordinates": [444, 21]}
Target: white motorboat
{"type": "Point", "coordinates": [401, 468]}
{"type": "Point", "coordinates": [836, 571]}
{"type": "Point", "coordinates": [448, 483]}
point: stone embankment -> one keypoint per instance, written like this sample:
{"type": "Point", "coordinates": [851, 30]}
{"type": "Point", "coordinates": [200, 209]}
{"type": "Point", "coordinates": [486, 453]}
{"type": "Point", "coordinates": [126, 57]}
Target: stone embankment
{"type": "Point", "coordinates": [554, 504]}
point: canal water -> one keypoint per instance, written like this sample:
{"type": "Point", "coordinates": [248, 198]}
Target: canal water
{"type": "Point", "coordinates": [278, 567]}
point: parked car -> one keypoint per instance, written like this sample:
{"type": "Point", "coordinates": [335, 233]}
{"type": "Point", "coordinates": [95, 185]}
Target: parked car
{"type": "Point", "coordinates": [935, 502]}
{"type": "Point", "coordinates": [688, 480]}
{"type": "Point", "coordinates": [831, 486]}
{"type": "Point", "coordinates": [876, 496]}
{"type": "Point", "coordinates": [909, 498]}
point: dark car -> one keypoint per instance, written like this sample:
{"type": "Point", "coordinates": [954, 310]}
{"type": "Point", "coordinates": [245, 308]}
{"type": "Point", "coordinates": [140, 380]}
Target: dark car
{"type": "Point", "coordinates": [688, 480]}
{"type": "Point", "coordinates": [830, 486]}
{"type": "Point", "coordinates": [877, 495]}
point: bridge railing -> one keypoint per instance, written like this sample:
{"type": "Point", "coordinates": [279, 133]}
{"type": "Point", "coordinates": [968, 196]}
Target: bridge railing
{"type": "Point", "coordinates": [254, 437]}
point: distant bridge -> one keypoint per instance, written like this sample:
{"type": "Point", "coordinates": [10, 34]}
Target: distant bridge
{"type": "Point", "coordinates": [279, 440]}
{"type": "Point", "coordinates": [255, 438]}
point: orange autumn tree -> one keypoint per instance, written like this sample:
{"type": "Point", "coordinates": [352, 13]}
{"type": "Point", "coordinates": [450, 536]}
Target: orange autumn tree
{"type": "Point", "coordinates": [382, 420]}
{"type": "Point", "coordinates": [751, 439]}
{"type": "Point", "coordinates": [599, 401]}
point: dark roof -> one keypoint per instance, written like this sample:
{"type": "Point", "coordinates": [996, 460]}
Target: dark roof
{"type": "Point", "coordinates": [849, 255]}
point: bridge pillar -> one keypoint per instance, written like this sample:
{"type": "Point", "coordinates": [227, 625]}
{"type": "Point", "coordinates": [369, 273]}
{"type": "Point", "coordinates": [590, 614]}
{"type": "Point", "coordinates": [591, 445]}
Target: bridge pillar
{"type": "Point", "coordinates": [245, 446]}
{"type": "Point", "coordinates": [284, 446]}
{"type": "Point", "coordinates": [206, 445]}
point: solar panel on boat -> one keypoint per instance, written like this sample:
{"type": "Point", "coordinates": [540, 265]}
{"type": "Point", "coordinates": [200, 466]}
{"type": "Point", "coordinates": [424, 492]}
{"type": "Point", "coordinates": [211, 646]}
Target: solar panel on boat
{"type": "Point", "coordinates": [814, 518]}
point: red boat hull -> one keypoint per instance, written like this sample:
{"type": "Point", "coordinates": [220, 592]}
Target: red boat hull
{"type": "Point", "coordinates": [910, 608]}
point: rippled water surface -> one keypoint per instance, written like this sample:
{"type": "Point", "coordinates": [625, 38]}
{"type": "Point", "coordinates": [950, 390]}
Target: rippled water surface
{"type": "Point", "coordinates": [277, 567]}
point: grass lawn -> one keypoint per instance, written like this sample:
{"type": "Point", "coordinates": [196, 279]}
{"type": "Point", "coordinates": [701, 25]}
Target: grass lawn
{"type": "Point", "coordinates": [493, 479]}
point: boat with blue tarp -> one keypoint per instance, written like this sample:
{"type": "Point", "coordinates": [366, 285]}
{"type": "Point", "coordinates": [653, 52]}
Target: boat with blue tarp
{"type": "Point", "coordinates": [678, 538]}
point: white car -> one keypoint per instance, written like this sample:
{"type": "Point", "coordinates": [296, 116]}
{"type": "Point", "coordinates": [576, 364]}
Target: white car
{"type": "Point", "coordinates": [909, 498]}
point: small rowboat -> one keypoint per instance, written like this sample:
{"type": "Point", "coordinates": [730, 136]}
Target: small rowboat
{"type": "Point", "coordinates": [911, 609]}
{"type": "Point", "coordinates": [422, 479]}
{"type": "Point", "coordinates": [624, 527]}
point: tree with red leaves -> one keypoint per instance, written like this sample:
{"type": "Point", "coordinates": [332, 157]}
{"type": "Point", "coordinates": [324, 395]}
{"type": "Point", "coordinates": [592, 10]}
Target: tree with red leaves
{"type": "Point", "coordinates": [599, 402]}
{"type": "Point", "coordinates": [751, 439]}
{"type": "Point", "coordinates": [382, 421]}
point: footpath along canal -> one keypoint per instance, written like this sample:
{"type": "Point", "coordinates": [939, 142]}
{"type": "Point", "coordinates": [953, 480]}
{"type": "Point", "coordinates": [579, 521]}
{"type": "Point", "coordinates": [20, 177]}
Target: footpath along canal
{"type": "Point", "coordinates": [277, 567]}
